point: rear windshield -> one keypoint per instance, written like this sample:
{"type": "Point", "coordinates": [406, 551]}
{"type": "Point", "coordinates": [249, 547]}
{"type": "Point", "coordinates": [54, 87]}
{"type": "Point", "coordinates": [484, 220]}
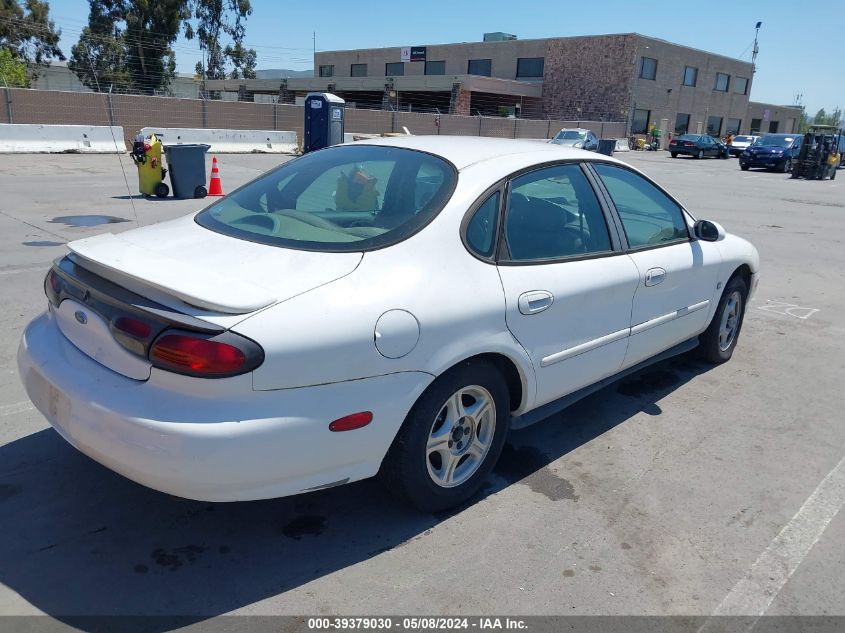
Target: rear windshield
{"type": "Point", "coordinates": [743, 139]}
{"type": "Point", "coordinates": [689, 137]}
{"type": "Point", "coordinates": [774, 139]}
{"type": "Point", "coordinates": [570, 135]}
{"type": "Point", "coordinates": [346, 198]}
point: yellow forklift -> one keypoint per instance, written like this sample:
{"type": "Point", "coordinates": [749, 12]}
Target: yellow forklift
{"type": "Point", "coordinates": [819, 155]}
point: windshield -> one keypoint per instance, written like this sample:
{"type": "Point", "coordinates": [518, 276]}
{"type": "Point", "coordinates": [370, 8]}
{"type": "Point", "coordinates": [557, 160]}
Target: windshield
{"type": "Point", "coordinates": [773, 139]}
{"type": "Point", "coordinates": [570, 135]}
{"type": "Point", "coordinates": [346, 198]}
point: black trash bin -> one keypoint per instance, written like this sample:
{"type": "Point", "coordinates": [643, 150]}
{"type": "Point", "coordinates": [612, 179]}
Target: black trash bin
{"type": "Point", "coordinates": [186, 164]}
{"type": "Point", "coordinates": [606, 146]}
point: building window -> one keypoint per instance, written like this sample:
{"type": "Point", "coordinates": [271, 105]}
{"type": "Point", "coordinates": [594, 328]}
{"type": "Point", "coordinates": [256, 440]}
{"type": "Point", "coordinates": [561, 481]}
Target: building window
{"type": "Point", "coordinates": [482, 67]}
{"type": "Point", "coordinates": [690, 76]}
{"type": "Point", "coordinates": [756, 124]}
{"type": "Point", "coordinates": [648, 68]}
{"type": "Point", "coordinates": [722, 82]}
{"type": "Point", "coordinates": [529, 67]}
{"type": "Point", "coordinates": [435, 68]}
{"type": "Point", "coordinates": [394, 69]}
{"type": "Point", "coordinates": [740, 85]}
{"type": "Point", "coordinates": [358, 70]}
{"type": "Point", "coordinates": [327, 71]}
{"type": "Point", "coordinates": [639, 125]}
{"type": "Point", "coordinates": [714, 125]}
{"type": "Point", "coordinates": [773, 127]}
{"type": "Point", "coordinates": [681, 123]}
{"type": "Point", "coordinates": [733, 126]}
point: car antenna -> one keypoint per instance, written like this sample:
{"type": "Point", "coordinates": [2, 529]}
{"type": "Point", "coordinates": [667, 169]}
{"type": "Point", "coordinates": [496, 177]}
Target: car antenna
{"type": "Point", "coordinates": [114, 140]}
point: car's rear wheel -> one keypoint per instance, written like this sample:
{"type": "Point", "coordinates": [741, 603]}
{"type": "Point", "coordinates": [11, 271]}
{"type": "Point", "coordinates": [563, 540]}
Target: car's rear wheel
{"type": "Point", "coordinates": [674, 154]}
{"type": "Point", "coordinates": [451, 438]}
{"type": "Point", "coordinates": [700, 154]}
{"type": "Point", "coordinates": [719, 340]}
{"type": "Point", "coordinates": [743, 167]}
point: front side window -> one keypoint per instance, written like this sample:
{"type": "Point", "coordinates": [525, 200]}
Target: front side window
{"type": "Point", "coordinates": [639, 125]}
{"type": "Point", "coordinates": [649, 216]}
{"type": "Point", "coordinates": [358, 70]}
{"type": "Point", "coordinates": [721, 82]}
{"type": "Point", "coordinates": [339, 199]}
{"type": "Point", "coordinates": [435, 68]}
{"type": "Point", "coordinates": [648, 68]}
{"type": "Point", "coordinates": [327, 70]}
{"type": "Point", "coordinates": [481, 67]}
{"type": "Point", "coordinates": [554, 213]}
{"type": "Point", "coordinates": [481, 229]}
{"type": "Point", "coordinates": [394, 69]}
{"type": "Point", "coordinates": [690, 76]}
{"type": "Point", "coordinates": [529, 67]}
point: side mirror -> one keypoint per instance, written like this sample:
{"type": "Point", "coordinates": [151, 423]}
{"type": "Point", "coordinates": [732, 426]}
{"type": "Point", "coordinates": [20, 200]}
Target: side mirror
{"type": "Point", "coordinates": [708, 231]}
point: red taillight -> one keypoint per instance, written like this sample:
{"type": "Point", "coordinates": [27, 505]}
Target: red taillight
{"type": "Point", "coordinates": [352, 421]}
{"type": "Point", "coordinates": [689, 144]}
{"type": "Point", "coordinates": [133, 327]}
{"type": "Point", "coordinates": [197, 356]}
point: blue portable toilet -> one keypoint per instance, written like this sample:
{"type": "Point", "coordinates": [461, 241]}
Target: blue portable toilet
{"type": "Point", "coordinates": [324, 117]}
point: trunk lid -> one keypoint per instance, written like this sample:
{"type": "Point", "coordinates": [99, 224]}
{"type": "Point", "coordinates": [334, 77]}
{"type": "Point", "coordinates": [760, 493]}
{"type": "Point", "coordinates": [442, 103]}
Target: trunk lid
{"type": "Point", "coordinates": [180, 263]}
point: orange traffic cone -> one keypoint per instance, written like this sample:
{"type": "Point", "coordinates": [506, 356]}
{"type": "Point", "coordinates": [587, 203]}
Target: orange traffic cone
{"type": "Point", "coordinates": [215, 188]}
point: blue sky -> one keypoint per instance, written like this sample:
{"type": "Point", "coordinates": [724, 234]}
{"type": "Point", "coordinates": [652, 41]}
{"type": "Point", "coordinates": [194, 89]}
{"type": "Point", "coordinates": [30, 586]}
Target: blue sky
{"type": "Point", "coordinates": [281, 32]}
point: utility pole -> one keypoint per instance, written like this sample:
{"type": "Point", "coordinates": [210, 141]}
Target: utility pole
{"type": "Point", "coordinates": [756, 49]}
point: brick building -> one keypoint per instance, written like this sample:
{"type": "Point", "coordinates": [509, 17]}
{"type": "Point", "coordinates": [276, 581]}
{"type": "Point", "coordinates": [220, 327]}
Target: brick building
{"type": "Point", "coordinates": [627, 77]}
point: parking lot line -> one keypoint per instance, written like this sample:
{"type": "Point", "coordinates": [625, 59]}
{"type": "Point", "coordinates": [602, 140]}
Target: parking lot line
{"type": "Point", "coordinates": [17, 407]}
{"type": "Point", "coordinates": [756, 591]}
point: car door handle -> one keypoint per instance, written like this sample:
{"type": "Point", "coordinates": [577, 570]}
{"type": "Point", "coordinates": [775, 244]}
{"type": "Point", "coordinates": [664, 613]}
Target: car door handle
{"type": "Point", "coordinates": [535, 301]}
{"type": "Point", "coordinates": [655, 276]}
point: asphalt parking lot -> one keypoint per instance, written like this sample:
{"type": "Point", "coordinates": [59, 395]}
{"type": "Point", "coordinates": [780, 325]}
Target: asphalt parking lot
{"type": "Point", "coordinates": [685, 490]}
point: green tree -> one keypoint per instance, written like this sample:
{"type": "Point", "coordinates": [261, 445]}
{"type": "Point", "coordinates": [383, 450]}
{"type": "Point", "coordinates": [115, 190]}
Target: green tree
{"type": "Point", "coordinates": [127, 44]}
{"type": "Point", "coordinates": [213, 22]}
{"type": "Point", "coordinates": [12, 70]}
{"type": "Point", "coordinates": [823, 118]}
{"type": "Point", "coordinates": [28, 33]}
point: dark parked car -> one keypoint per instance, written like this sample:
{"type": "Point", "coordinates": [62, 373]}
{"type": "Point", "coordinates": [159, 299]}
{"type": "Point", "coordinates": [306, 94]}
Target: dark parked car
{"type": "Point", "coordinates": [772, 151]}
{"type": "Point", "coordinates": [697, 145]}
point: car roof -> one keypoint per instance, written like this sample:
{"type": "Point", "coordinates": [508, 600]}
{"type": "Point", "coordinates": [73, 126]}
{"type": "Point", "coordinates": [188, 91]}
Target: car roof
{"type": "Point", "coordinates": [463, 151]}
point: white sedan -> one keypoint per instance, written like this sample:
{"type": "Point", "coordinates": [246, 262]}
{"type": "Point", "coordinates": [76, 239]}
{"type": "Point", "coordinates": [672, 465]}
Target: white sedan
{"type": "Point", "coordinates": [391, 307]}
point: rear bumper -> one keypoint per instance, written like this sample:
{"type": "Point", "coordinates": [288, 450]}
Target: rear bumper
{"type": "Point", "coordinates": [211, 440]}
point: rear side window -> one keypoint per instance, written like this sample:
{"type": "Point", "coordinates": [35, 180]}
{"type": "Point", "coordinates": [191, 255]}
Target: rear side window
{"type": "Point", "coordinates": [481, 229]}
{"type": "Point", "coordinates": [649, 216]}
{"type": "Point", "coordinates": [553, 213]}
{"type": "Point", "coordinates": [348, 198]}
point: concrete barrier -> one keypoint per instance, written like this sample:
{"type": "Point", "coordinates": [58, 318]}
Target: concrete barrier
{"type": "Point", "coordinates": [622, 145]}
{"type": "Point", "coordinates": [25, 138]}
{"type": "Point", "coordinates": [229, 141]}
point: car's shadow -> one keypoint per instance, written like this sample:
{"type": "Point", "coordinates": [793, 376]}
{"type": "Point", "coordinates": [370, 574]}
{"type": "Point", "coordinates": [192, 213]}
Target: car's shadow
{"type": "Point", "coordinates": [79, 540]}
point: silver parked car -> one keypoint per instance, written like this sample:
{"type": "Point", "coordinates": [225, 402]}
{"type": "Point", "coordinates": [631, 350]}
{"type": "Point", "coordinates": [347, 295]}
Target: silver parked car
{"type": "Point", "coordinates": [580, 138]}
{"type": "Point", "coordinates": [742, 142]}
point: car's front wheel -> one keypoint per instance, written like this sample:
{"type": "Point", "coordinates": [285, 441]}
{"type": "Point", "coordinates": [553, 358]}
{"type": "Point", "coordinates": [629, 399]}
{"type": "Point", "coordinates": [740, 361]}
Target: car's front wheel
{"type": "Point", "coordinates": [719, 340]}
{"type": "Point", "coordinates": [787, 166]}
{"type": "Point", "coordinates": [743, 167]}
{"type": "Point", "coordinates": [451, 438]}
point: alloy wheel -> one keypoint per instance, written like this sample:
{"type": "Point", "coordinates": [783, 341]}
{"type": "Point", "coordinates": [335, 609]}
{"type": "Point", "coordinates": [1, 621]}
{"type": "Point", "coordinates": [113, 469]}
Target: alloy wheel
{"type": "Point", "coordinates": [730, 320]}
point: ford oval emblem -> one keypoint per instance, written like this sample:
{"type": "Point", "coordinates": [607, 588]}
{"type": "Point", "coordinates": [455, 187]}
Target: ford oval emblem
{"type": "Point", "coordinates": [81, 317]}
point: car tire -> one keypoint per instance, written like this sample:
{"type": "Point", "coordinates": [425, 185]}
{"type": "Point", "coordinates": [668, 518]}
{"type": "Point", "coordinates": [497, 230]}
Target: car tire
{"type": "Point", "coordinates": [743, 167]}
{"type": "Point", "coordinates": [787, 166]}
{"type": "Point", "coordinates": [674, 154]}
{"type": "Point", "coordinates": [718, 341]}
{"type": "Point", "coordinates": [700, 154]}
{"type": "Point", "coordinates": [433, 467]}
